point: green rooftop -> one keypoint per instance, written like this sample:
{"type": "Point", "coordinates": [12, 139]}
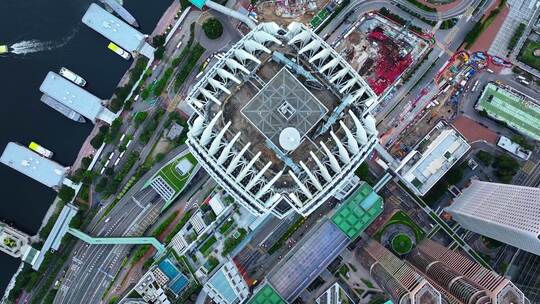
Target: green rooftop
{"type": "Point", "coordinates": [174, 177]}
{"type": "Point", "coordinates": [175, 174]}
{"type": "Point", "coordinates": [506, 106]}
{"type": "Point", "coordinates": [358, 211]}
{"type": "Point", "coordinates": [266, 295]}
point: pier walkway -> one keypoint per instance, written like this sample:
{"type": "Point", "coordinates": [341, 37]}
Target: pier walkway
{"type": "Point", "coordinates": [117, 31]}
{"type": "Point", "coordinates": [54, 239]}
{"type": "Point", "coordinates": [75, 98]}
{"type": "Point", "coordinates": [118, 240]}
{"type": "Point", "coordinates": [33, 165]}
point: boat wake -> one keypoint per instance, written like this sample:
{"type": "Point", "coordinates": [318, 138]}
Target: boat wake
{"type": "Point", "coordinates": [34, 45]}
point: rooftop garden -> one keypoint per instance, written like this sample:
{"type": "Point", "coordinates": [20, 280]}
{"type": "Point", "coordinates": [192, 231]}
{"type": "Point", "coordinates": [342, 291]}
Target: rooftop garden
{"type": "Point", "coordinates": [173, 177]}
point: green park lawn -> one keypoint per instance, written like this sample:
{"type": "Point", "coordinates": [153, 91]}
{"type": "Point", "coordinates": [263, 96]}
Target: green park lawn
{"type": "Point", "coordinates": [401, 244]}
{"type": "Point", "coordinates": [527, 54]}
{"type": "Point", "coordinates": [402, 218]}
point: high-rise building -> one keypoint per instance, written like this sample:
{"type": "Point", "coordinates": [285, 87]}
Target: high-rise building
{"type": "Point", "coordinates": [399, 280]}
{"type": "Point", "coordinates": [281, 121]}
{"type": "Point", "coordinates": [507, 213]}
{"type": "Point", "coordinates": [460, 279]}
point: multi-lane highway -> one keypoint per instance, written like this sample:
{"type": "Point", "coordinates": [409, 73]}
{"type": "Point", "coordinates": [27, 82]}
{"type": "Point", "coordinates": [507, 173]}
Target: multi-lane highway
{"type": "Point", "coordinates": [91, 269]}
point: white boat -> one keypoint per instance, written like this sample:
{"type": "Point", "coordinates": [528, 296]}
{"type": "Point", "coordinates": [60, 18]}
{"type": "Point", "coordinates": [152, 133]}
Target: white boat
{"type": "Point", "coordinates": [69, 75]}
{"type": "Point", "coordinates": [40, 149]}
{"type": "Point", "coordinates": [118, 50]}
{"type": "Point", "coordinates": [69, 113]}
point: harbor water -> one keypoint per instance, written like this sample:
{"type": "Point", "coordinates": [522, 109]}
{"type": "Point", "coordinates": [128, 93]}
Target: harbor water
{"type": "Point", "coordinates": [46, 35]}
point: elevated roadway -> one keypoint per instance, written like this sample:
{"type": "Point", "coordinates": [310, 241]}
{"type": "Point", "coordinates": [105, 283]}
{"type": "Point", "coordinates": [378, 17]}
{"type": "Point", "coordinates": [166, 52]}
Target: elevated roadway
{"type": "Point", "coordinates": [117, 240]}
{"type": "Point", "coordinates": [363, 6]}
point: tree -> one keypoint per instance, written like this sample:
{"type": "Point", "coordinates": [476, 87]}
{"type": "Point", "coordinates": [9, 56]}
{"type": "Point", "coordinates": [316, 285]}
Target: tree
{"type": "Point", "coordinates": [363, 172]}
{"type": "Point", "coordinates": [520, 140]}
{"type": "Point", "coordinates": [159, 52]}
{"type": "Point", "coordinates": [100, 186]}
{"type": "Point", "coordinates": [109, 171]}
{"type": "Point", "coordinates": [97, 140]}
{"type": "Point", "coordinates": [78, 175]}
{"type": "Point", "coordinates": [160, 157]}
{"type": "Point", "coordinates": [66, 193]}
{"type": "Point", "coordinates": [112, 187]}
{"type": "Point", "coordinates": [140, 117]}
{"type": "Point", "coordinates": [506, 167]}
{"type": "Point", "coordinates": [484, 157]}
{"type": "Point", "coordinates": [88, 177]}
{"type": "Point", "coordinates": [116, 104]}
{"type": "Point", "coordinates": [146, 93]}
{"type": "Point", "coordinates": [213, 29]}
{"type": "Point", "coordinates": [86, 161]}
{"type": "Point", "coordinates": [158, 40]}
{"type": "Point", "coordinates": [114, 131]}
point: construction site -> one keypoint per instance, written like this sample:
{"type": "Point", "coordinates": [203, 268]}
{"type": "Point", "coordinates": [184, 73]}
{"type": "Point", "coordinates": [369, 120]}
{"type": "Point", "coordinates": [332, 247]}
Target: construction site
{"type": "Point", "coordinates": [381, 50]}
{"type": "Point", "coordinates": [453, 79]}
{"type": "Point", "coordinates": [313, 12]}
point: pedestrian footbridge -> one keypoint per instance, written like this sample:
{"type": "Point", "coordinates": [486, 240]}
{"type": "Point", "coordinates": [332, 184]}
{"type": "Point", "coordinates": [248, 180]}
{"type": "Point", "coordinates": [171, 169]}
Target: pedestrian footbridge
{"type": "Point", "coordinates": [118, 240]}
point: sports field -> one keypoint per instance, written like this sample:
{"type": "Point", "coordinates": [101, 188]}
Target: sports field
{"type": "Point", "coordinates": [505, 106]}
{"type": "Point", "coordinates": [173, 177]}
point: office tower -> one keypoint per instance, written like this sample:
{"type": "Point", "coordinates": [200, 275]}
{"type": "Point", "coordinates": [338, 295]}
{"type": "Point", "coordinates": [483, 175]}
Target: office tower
{"type": "Point", "coordinates": [399, 280]}
{"type": "Point", "coordinates": [460, 279]}
{"type": "Point", "coordinates": [507, 213]}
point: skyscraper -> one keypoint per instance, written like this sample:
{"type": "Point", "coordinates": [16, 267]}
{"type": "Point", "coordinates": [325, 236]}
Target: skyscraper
{"type": "Point", "coordinates": [399, 280]}
{"type": "Point", "coordinates": [460, 279]}
{"type": "Point", "coordinates": [507, 213]}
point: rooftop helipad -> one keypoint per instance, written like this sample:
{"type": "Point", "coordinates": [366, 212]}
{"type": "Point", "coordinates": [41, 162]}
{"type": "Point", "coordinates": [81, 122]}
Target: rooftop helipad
{"type": "Point", "coordinates": [283, 102]}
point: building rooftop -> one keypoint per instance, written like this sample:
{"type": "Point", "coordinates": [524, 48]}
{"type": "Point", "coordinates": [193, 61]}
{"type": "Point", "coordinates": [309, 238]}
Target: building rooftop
{"type": "Point", "coordinates": [172, 178]}
{"type": "Point", "coordinates": [221, 284]}
{"type": "Point", "coordinates": [282, 103]}
{"type": "Point", "coordinates": [75, 97]}
{"type": "Point", "coordinates": [432, 157]}
{"type": "Point", "coordinates": [266, 295]}
{"type": "Point", "coordinates": [281, 121]}
{"type": "Point", "coordinates": [33, 165]}
{"type": "Point", "coordinates": [307, 260]}
{"type": "Point", "coordinates": [113, 28]}
{"type": "Point", "coordinates": [358, 211]}
{"type": "Point", "coordinates": [518, 111]}
{"type": "Point", "coordinates": [335, 294]}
